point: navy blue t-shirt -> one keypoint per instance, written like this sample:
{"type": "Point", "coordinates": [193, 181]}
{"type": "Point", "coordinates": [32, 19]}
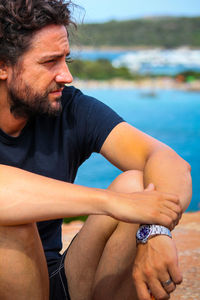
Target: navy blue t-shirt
{"type": "Point", "coordinates": [56, 146]}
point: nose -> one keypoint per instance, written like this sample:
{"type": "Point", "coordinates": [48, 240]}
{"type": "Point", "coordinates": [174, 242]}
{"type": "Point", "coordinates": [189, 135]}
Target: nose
{"type": "Point", "coordinates": [64, 76]}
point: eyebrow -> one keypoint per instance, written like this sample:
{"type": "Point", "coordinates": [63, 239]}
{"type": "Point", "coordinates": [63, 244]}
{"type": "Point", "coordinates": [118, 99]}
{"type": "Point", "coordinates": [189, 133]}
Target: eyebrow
{"type": "Point", "coordinates": [49, 57]}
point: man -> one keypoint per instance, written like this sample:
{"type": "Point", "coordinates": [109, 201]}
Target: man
{"type": "Point", "coordinates": [47, 131]}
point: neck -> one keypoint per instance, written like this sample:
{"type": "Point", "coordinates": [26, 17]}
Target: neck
{"type": "Point", "coordinates": [10, 125]}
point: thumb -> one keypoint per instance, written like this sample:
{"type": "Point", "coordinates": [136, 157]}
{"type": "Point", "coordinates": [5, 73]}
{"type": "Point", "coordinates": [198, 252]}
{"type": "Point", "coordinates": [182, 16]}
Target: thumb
{"type": "Point", "coordinates": [150, 187]}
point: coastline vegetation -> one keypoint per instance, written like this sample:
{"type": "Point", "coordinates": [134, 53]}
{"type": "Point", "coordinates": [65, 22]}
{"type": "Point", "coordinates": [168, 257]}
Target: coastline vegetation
{"type": "Point", "coordinates": [190, 75]}
{"type": "Point", "coordinates": [102, 69]}
{"type": "Point", "coordinates": [166, 32]}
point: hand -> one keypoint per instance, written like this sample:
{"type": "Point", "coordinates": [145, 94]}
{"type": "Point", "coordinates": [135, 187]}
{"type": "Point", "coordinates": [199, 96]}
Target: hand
{"type": "Point", "coordinates": [173, 209]}
{"type": "Point", "coordinates": [155, 263]}
{"type": "Point", "coordinates": [148, 207]}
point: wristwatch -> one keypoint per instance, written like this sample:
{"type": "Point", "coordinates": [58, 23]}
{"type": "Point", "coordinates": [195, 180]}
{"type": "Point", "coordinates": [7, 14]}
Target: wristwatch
{"type": "Point", "coordinates": [145, 232]}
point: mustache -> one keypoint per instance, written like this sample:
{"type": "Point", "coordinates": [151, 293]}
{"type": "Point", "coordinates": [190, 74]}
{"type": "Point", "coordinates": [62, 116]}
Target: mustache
{"type": "Point", "coordinates": [55, 87]}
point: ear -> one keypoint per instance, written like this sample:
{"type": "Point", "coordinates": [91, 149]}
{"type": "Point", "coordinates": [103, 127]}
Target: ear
{"type": "Point", "coordinates": [3, 71]}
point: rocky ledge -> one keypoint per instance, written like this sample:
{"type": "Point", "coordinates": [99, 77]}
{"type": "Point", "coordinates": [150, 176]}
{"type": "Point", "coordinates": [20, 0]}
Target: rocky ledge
{"type": "Point", "coordinates": [187, 237]}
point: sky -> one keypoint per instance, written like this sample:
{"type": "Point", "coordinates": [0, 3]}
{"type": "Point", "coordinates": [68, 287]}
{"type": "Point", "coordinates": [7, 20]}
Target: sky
{"type": "Point", "coordinates": [105, 10]}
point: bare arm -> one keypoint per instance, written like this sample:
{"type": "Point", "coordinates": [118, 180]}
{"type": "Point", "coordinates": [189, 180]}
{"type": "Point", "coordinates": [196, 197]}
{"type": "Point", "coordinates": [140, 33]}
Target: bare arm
{"type": "Point", "coordinates": [128, 148]}
{"type": "Point", "coordinates": [170, 173]}
{"type": "Point", "coordinates": [156, 261]}
{"type": "Point", "coordinates": [26, 197]}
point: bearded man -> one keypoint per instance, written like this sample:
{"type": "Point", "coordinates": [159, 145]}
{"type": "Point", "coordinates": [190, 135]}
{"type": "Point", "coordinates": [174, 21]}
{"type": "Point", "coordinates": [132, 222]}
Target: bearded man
{"type": "Point", "coordinates": [47, 130]}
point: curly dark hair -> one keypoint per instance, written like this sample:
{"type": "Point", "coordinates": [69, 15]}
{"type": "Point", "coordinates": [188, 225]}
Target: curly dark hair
{"type": "Point", "coordinates": [20, 19]}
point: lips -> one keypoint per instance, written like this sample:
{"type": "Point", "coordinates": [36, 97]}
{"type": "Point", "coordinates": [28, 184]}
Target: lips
{"type": "Point", "coordinates": [58, 91]}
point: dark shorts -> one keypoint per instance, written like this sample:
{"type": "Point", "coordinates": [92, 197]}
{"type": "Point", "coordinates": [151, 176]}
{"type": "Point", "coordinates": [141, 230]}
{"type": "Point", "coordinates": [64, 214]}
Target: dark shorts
{"type": "Point", "coordinates": [58, 280]}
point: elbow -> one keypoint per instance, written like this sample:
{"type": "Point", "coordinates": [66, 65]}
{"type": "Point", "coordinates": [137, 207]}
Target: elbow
{"type": "Point", "coordinates": [187, 190]}
{"type": "Point", "coordinates": [180, 161]}
{"type": "Point", "coordinates": [186, 166]}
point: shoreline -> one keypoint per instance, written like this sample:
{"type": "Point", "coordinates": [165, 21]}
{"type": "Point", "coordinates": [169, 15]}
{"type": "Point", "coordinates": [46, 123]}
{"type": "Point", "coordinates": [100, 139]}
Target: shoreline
{"type": "Point", "coordinates": [152, 84]}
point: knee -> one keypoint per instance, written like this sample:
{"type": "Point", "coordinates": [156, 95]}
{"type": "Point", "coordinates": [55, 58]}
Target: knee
{"type": "Point", "coordinates": [129, 181]}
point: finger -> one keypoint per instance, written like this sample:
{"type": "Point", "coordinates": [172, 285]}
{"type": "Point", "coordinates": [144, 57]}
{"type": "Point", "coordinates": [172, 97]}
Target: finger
{"type": "Point", "coordinates": [174, 207]}
{"type": "Point", "coordinates": [175, 273]}
{"type": "Point", "coordinates": [180, 215]}
{"type": "Point", "coordinates": [170, 213]}
{"type": "Point", "coordinates": [150, 187]}
{"type": "Point", "coordinates": [173, 225]}
{"type": "Point", "coordinates": [165, 220]}
{"type": "Point", "coordinates": [157, 289]}
{"type": "Point", "coordinates": [167, 283]}
{"type": "Point", "coordinates": [142, 290]}
{"type": "Point", "coordinates": [177, 221]}
{"type": "Point", "coordinates": [172, 198]}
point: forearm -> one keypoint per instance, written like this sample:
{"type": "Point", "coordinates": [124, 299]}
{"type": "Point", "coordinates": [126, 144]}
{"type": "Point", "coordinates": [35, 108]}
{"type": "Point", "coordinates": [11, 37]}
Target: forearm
{"type": "Point", "coordinates": [170, 174]}
{"type": "Point", "coordinates": [26, 197]}
{"type": "Point", "coordinates": [157, 260]}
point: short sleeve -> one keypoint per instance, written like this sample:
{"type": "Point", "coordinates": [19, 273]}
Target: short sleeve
{"type": "Point", "coordinates": [93, 122]}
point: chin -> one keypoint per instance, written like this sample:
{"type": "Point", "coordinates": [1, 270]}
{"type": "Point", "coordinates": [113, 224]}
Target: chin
{"type": "Point", "coordinates": [55, 107]}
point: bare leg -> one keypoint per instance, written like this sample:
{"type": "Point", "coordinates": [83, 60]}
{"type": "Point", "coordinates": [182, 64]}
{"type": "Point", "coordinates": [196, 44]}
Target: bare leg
{"type": "Point", "coordinates": [23, 269]}
{"type": "Point", "coordinates": [99, 262]}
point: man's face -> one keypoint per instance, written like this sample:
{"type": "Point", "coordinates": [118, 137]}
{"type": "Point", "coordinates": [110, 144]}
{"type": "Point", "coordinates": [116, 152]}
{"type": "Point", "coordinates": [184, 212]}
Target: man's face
{"type": "Point", "coordinates": [35, 84]}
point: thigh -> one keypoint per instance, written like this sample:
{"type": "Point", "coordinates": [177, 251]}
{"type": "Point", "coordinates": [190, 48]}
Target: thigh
{"type": "Point", "coordinates": [95, 255]}
{"type": "Point", "coordinates": [23, 265]}
{"type": "Point", "coordinates": [83, 256]}
{"type": "Point", "coordinates": [113, 278]}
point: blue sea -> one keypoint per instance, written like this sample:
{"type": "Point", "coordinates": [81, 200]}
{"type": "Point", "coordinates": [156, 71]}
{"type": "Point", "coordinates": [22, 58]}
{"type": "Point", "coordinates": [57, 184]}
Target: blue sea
{"type": "Point", "coordinates": [172, 116]}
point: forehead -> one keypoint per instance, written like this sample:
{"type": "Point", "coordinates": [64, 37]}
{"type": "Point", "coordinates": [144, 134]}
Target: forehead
{"type": "Point", "coordinates": [49, 40]}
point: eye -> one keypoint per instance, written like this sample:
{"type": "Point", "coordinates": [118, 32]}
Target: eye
{"type": "Point", "coordinates": [68, 59]}
{"type": "Point", "coordinates": [49, 61]}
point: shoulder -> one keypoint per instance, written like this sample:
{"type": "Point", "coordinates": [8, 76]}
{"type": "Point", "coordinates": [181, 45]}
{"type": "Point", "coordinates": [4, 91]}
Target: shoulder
{"type": "Point", "coordinates": [75, 101]}
{"type": "Point", "coordinates": [72, 95]}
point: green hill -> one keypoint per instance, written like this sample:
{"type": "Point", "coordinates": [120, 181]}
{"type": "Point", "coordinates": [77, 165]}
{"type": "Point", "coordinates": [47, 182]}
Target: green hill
{"type": "Point", "coordinates": [168, 32]}
{"type": "Point", "coordinates": [101, 69]}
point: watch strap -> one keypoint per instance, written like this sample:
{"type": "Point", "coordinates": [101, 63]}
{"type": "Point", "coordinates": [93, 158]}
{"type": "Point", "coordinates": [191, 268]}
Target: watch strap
{"type": "Point", "coordinates": [159, 230]}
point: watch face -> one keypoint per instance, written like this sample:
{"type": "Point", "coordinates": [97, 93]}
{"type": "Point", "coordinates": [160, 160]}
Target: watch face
{"type": "Point", "coordinates": [143, 232]}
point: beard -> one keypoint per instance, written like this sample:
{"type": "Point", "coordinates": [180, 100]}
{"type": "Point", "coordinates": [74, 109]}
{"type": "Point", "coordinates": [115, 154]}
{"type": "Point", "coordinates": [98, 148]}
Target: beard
{"type": "Point", "coordinates": [25, 102]}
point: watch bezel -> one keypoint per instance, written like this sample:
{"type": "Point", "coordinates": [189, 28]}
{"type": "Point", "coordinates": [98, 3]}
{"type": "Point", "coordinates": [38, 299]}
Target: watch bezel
{"type": "Point", "coordinates": [143, 239]}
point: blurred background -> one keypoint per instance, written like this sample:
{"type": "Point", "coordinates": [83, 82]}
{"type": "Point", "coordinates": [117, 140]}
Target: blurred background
{"type": "Point", "coordinates": [142, 58]}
